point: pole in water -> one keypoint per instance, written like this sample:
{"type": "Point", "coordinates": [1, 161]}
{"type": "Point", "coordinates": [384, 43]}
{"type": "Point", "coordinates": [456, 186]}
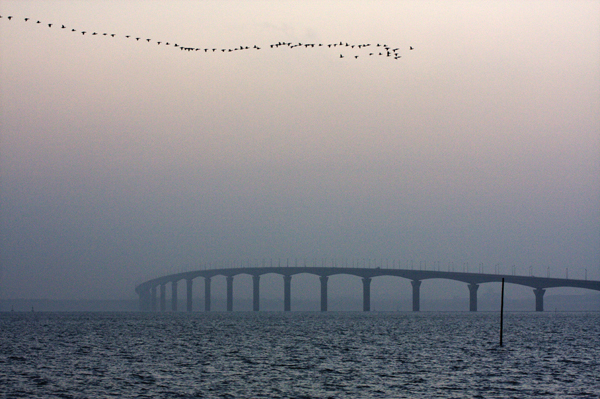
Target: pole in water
{"type": "Point", "coordinates": [501, 310]}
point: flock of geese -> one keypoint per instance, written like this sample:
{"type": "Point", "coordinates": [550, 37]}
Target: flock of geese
{"type": "Point", "coordinates": [343, 47]}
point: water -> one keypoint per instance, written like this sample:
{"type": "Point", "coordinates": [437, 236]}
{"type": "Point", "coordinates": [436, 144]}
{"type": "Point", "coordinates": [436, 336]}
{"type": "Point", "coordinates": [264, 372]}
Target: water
{"type": "Point", "coordinates": [299, 355]}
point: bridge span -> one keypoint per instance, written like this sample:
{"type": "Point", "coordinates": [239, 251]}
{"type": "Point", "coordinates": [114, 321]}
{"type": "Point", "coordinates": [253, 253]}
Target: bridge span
{"type": "Point", "coordinates": [151, 302]}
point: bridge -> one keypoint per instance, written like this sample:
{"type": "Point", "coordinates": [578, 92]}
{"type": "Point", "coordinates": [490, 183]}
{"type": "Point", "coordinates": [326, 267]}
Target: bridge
{"type": "Point", "coordinates": [150, 302]}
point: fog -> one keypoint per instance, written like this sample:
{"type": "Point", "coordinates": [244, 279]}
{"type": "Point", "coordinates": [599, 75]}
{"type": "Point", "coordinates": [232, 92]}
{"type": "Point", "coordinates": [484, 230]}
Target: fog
{"type": "Point", "coordinates": [124, 160]}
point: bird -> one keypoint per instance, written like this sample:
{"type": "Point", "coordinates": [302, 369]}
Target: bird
{"type": "Point", "coordinates": [112, 35]}
{"type": "Point", "coordinates": [83, 32]}
{"type": "Point", "coordinates": [341, 56]}
{"type": "Point", "coordinates": [63, 27]}
{"type": "Point", "coordinates": [127, 36]}
{"type": "Point", "coordinates": [26, 19]}
{"type": "Point", "coordinates": [148, 40]}
{"type": "Point", "coordinates": [411, 47]}
{"type": "Point", "coordinates": [73, 30]}
{"type": "Point", "coordinates": [9, 17]}
{"type": "Point", "coordinates": [49, 25]}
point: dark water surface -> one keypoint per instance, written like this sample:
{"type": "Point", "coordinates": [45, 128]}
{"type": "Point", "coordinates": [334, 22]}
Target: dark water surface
{"type": "Point", "coordinates": [311, 355]}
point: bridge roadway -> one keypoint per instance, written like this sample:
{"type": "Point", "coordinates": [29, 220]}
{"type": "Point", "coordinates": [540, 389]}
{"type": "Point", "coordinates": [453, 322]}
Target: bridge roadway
{"type": "Point", "coordinates": [147, 291]}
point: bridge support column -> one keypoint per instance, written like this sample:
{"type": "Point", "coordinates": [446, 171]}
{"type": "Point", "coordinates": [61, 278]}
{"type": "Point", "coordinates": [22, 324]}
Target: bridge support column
{"type": "Point", "coordinates": [188, 303]}
{"type": "Point", "coordinates": [323, 293]}
{"type": "Point", "coordinates": [473, 297]}
{"type": "Point", "coordinates": [366, 294]}
{"type": "Point", "coordinates": [539, 299]}
{"type": "Point", "coordinates": [287, 293]}
{"type": "Point", "coordinates": [207, 294]}
{"type": "Point", "coordinates": [229, 293]}
{"type": "Point", "coordinates": [256, 293]}
{"type": "Point", "coordinates": [416, 288]}
{"type": "Point", "coordinates": [174, 296]}
{"type": "Point", "coordinates": [153, 305]}
{"type": "Point", "coordinates": [163, 297]}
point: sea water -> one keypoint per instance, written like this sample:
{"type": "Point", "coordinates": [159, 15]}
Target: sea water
{"type": "Point", "coordinates": [299, 355]}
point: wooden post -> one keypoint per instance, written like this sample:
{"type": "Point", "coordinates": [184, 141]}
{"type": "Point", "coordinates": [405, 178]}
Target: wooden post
{"type": "Point", "coordinates": [501, 310]}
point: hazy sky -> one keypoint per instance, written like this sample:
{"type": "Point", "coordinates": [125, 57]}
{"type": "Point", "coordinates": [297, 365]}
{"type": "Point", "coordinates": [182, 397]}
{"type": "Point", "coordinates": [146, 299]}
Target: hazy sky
{"type": "Point", "coordinates": [123, 160]}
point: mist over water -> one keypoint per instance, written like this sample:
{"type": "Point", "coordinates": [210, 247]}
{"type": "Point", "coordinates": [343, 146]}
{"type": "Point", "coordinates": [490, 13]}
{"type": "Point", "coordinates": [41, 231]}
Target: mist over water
{"type": "Point", "coordinates": [312, 355]}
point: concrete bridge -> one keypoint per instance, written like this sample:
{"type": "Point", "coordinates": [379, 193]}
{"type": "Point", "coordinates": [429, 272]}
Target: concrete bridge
{"type": "Point", "coordinates": [151, 302]}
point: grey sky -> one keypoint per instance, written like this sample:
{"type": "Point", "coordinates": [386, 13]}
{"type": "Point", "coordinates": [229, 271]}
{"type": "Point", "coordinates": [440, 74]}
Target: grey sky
{"type": "Point", "coordinates": [124, 160]}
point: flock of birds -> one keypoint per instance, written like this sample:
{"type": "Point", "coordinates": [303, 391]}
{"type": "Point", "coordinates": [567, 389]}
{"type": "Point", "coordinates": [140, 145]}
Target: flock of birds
{"type": "Point", "coordinates": [371, 50]}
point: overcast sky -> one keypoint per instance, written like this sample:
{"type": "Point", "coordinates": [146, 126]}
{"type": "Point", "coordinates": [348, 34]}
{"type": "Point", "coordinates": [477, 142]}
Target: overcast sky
{"type": "Point", "coordinates": [123, 160]}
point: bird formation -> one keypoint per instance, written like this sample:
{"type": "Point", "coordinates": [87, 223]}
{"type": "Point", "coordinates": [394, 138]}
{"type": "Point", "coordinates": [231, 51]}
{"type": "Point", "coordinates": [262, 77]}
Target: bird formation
{"type": "Point", "coordinates": [343, 48]}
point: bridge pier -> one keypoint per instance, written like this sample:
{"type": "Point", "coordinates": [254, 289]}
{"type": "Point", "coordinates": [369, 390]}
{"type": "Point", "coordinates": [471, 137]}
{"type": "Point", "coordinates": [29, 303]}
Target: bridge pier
{"type": "Point", "coordinates": [163, 297]}
{"type": "Point", "coordinates": [174, 296]}
{"type": "Point", "coordinates": [473, 297]}
{"type": "Point", "coordinates": [153, 299]}
{"type": "Point", "coordinates": [323, 293]}
{"type": "Point", "coordinates": [256, 292]}
{"type": "Point", "coordinates": [188, 306]}
{"type": "Point", "coordinates": [366, 294]}
{"type": "Point", "coordinates": [229, 293]}
{"type": "Point", "coordinates": [539, 299]}
{"type": "Point", "coordinates": [416, 288]}
{"type": "Point", "coordinates": [287, 293]}
{"type": "Point", "coordinates": [207, 294]}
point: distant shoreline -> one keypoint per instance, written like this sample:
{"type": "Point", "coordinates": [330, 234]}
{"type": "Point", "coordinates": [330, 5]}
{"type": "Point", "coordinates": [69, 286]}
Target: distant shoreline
{"type": "Point", "coordinates": [559, 303]}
